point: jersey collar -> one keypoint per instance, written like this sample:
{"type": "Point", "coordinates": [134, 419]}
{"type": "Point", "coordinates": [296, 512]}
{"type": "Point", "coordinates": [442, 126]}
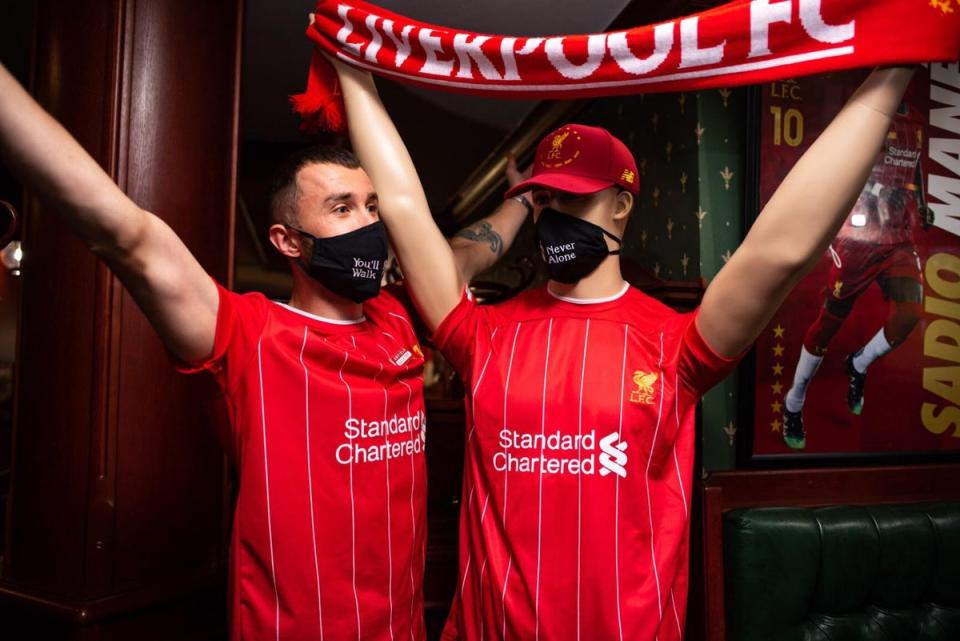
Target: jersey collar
{"type": "Point", "coordinates": [590, 301]}
{"type": "Point", "coordinates": [323, 319]}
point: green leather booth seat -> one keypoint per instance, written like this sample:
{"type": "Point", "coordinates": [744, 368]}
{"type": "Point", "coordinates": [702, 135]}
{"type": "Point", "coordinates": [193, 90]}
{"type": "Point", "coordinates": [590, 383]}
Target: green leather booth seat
{"type": "Point", "coordinates": [843, 573]}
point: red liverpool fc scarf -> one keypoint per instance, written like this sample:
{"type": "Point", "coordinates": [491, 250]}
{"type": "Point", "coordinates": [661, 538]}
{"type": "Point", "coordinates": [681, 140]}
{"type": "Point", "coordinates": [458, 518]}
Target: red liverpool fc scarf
{"type": "Point", "coordinates": [741, 42]}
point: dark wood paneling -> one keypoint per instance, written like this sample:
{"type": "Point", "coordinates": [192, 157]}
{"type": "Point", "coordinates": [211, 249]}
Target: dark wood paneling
{"type": "Point", "coordinates": [118, 481]}
{"type": "Point", "coordinates": [179, 136]}
{"type": "Point", "coordinates": [199, 617]}
{"type": "Point", "coordinates": [446, 420]}
{"type": "Point", "coordinates": [55, 400]}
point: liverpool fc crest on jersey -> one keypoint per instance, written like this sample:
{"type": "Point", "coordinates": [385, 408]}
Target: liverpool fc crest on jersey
{"type": "Point", "coordinates": [644, 393]}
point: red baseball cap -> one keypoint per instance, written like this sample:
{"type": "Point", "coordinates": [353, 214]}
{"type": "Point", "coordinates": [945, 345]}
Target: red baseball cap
{"type": "Point", "coordinates": [581, 160]}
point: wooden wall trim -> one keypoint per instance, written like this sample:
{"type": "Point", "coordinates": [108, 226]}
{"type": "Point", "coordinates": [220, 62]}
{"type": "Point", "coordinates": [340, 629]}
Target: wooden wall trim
{"type": "Point", "coordinates": [99, 535]}
{"type": "Point", "coordinates": [118, 483]}
{"type": "Point", "coordinates": [835, 486]}
{"type": "Point", "coordinates": [713, 564]}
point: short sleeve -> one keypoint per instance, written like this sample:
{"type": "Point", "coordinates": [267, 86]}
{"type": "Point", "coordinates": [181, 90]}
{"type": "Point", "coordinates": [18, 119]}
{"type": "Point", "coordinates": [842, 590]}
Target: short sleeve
{"type": "Point", "coordinates": [240, 321]}
{"type": "Point", "coordinates": [699, 365]}
{"type": "Point", "coordinates": [457, 335]}
{"type": "Point", "coordinates": [403, 300]}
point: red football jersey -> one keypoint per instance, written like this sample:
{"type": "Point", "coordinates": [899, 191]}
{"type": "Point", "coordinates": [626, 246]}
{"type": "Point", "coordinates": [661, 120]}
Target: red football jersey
{"type": "Point", "coordinates": [887, 209]}
{"type": "Point", "coordinates": [580, 443]}
{"type": "Point", "coordinates": [896, 165]}
{"type": "Point", "coordinates": [328, 428]}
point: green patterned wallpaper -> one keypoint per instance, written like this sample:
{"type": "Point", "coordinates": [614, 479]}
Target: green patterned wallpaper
{"type": "Point", "coordinates": [660, 130]}
{"type": "Point", "coordinates": [690, 149]}
{"type": "Point", "coordinates": [688, 220]}
{"type": "Point", "coordinates": [721, 186]}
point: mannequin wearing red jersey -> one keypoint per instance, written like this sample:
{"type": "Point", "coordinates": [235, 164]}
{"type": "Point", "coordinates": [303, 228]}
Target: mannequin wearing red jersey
{"type": "Point", "coordinates": [575, 511]}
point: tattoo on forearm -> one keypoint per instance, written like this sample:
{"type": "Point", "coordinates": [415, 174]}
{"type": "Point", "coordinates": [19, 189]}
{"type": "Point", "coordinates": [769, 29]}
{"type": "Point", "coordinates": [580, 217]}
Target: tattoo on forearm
{"type": "Point", "coordinates": [483, 232]}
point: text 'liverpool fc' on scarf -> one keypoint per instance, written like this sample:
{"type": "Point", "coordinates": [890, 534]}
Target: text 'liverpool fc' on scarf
{"type": "Point", "coordinates": [741, 42]}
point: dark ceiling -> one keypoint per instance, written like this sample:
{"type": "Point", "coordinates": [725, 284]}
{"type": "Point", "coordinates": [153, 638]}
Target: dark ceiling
{"type": "Point", "coordinates": [448, 134]}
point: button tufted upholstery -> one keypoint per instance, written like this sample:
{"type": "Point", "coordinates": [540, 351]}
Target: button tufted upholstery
{"type": "Point", "coordinates": [843, 573]}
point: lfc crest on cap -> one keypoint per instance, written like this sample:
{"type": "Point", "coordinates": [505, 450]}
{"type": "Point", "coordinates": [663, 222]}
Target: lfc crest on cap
{"type": "Point", "coordinates": [556, 155]}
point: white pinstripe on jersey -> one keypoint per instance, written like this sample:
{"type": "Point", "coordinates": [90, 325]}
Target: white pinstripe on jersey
{"type": "Point", "coordinates": [413, 513]}
{"type": "Point", "coordinates": [473, 394]}
{"type": "Point", "coordinates": [583, 370]}
{"type": "Point", "coordinates": [506, 481]}
{"type": "Point", "coordinates": [415, 592]}
{"type": "Point", "coordinates": [386, 440]}
{"type": "Point", "coordinates": [353, 509]}
{"type": "Point", "coordinates": [413, 516]}
{"type": "Point", "coordinates": [676, 615]}
{"type": "Point", "coordinates": [616, 504]}
{"type": "Point", "coordinates": [543, 419]}
{"type": "Point", "coordinates": [313, 520]}
{"type": "Point", "coordinates": [266, 477]}
{"type": "Point", "coordinates": [676, 462]}
{"type": "Point", "coordinates": [405, 320]}
{"type": "Point", "coordinates": [653, 444]}
{"type": "Point", "coordinates": [483, 620]}
{"type": "Point", "coordinates": [473, 429]}
{"type": "Point", "coordinates": [683, 494]}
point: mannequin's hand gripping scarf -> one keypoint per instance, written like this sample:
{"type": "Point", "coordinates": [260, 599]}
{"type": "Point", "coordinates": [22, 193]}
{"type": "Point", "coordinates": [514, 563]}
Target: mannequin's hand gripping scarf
{"type": "Point", "coordinates": [741, 42]}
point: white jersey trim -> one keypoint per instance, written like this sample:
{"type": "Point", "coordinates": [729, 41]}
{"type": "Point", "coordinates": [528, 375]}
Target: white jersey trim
{"type": "Point", "coordinates": [590, 301]}
{"type": "Point", "coordinates": [322, 319]}
{"type": "Point", "coordinates": [266, 478]}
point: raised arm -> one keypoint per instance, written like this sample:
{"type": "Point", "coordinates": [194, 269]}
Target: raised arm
{"type": "Point", "coordinates": [478, 246]}
{"type": "Point", "coordinates": [802, 217]}
{"type": "Point", "coordinates": [428, 264]}
{"type": "Point", "coordinates": [167, 282]}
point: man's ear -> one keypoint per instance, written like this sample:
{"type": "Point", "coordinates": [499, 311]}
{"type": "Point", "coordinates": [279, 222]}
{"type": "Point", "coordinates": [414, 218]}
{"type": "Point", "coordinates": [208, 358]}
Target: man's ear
{"type": "Point", "coordinates": [624, 205]}
{"type": "Point", "coordinates": [287, 241]}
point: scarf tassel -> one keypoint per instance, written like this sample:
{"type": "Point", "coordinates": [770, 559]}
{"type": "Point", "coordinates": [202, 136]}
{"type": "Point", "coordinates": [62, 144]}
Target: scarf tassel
{"type": "Point", "coordinates": [321, 106]}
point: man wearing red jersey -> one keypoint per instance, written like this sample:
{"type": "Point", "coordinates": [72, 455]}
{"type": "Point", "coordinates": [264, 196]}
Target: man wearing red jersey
{"type": "Point", "coordinates": [875, 244]}
{"type": "Point", "coordinates": [324, 393]}
{"type": "Point", "coordinates": [581, 394]}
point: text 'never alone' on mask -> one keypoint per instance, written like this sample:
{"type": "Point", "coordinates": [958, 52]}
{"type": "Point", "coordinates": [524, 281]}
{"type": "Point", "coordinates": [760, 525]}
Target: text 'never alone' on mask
{"type": "Point", "coordinates": [571, 247]}
{"type": "Point", "coordinates": [350, 264]}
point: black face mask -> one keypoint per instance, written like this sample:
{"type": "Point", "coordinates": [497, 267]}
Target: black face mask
{"type": "Point", "coordinates": [570, 247]}
{"type": "Point", "coordinates": [350, 264]}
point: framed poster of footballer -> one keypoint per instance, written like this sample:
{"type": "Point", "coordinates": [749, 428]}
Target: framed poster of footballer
{"type": "Point", "coordinates": [863, 358]}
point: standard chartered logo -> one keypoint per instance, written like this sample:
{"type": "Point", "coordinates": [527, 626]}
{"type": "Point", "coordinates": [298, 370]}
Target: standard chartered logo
{"type": "Point", "coordinates": [613, 455]}
{"type": "Point", "coordinates": [378, 441]}
{"type": "Point", "coordinates": [557, 453]}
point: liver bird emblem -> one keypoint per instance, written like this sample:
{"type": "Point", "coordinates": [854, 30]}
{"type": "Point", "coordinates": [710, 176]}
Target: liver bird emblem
{"type": "Point", "coordinates": [644, 393]}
